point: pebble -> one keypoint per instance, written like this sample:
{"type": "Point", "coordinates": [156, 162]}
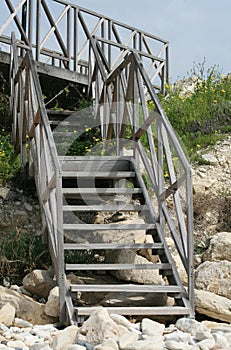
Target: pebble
{"type": "Point", "coordinates": [186, 334]}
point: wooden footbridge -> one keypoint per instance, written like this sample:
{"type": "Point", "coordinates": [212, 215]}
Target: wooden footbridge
{"type": "Point", "coordinates": [137, 164]}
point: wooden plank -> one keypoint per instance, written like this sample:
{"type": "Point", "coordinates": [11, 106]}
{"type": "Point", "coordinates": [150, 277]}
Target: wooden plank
{"type": "Point", "coordinates": [97, 227]}
{"type": "Point", "coordinates": [102, 175]}
{"type": "Point", "coordinates": [138, 310]}
{"type": "Point", "coordinates": [112, 191]}
{"type": "Point", "coordinates": [130, 288]}
{"type": "Point", "coordinates": [119, 207]}
{"type": "Point", "coordinates": [110, 267]}
{"type": "Point", "coordinates": [108, 246]}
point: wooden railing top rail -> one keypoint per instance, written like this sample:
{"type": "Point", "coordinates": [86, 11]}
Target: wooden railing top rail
{"type": "Point", "coordinates": [62, 31]}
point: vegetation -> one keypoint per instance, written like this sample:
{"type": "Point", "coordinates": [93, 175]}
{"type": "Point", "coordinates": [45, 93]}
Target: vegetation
{"type": "Point", "coordinates": [20, 254]}
{"type": "Point", "coordinates": [202, 115]}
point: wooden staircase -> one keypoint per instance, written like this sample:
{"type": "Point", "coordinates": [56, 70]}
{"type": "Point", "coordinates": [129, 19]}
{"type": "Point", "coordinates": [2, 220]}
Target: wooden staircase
{"type": "Point", "coordinates": [153, 184]}
{"type": "Point", "coordinates": [112, 170]}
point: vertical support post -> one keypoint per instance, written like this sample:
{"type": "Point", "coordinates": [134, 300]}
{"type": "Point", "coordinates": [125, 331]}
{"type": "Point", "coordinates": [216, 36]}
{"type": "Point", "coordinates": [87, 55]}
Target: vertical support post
{"type": "Point", "coordinates": [30, 27]}
{"type": "Point", "coordinates": [60, 239]}
{"type": "Point", "coordinates": [38, 33]}
{"type": "Point", "coordinates": [103, 35]}
{"type": "Point", "coordinates": [160, 172]}
{"type": "Point", "coordinates": [24, 22]}
{"type": "Point", "coordinates": [167, 63]}
{"type": "Point", "coordinates": [76, 14]}
{"type": "Point", "coordinates": [190, 240]}
{"type": "Point", "coordinates": [69, 37]}
{"type": "Point", "coordinates": [109, 46]}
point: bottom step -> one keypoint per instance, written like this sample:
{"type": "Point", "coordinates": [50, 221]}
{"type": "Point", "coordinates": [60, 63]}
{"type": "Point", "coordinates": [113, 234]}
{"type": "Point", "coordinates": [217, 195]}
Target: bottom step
{"type": "Point", "coordinates": [155, 311]}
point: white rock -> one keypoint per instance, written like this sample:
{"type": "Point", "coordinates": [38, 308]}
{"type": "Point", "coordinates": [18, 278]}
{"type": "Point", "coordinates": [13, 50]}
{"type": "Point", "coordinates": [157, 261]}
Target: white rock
{"type": "Point", "coordinates": [178, 336]}
{"type": "Point", "coordinates": [107, 344]}
{"type": "Point", "coordinates": [7, 314]}
{"type": "Point", "coordinates": [74, 347]}
{"type": "Point", "coordinates": [99, 326]}
{"type": "Point", "coordinates": [52, 304]}
{"type": "Point", "coordinates": [207, 344]}
{"type": "Point", "coordinates": [144, 345]}
{"type": "Point", "coordinates": [219, 247]}
{"type": "Point", "coordinates": [121, 320]}
{"type": "Point", "coordinates": [213, 305]}
{"type": "Point", "coordinates": [126, 339]}
{"type": "Point", "coordinates": [26, 308]}
{"type": "Point", "coordinates": [65, 337]}
{"type": "Point", "coordinates": [187, 325]}
{"type": "Point", "coordinates": [139, 276]}
{"type": "Point", "coordinates": [152, 328]}
{"type": "Point", "coordinates": [22, 323]}
{"type": "Point", "coordinates": [39, 282]}
{"type": "Point", "coordinates": [221, 341]}
{"type": "Point", "coordinates": [214, 277]}
{"type": "Point", "coordinates": [40, 346]}
{"type": "Point", "coordinates": [15, 344]}
{"type": "Point", "coordinates": [209, 158]}
{"type": "Point", "coordinates": [175, 345]}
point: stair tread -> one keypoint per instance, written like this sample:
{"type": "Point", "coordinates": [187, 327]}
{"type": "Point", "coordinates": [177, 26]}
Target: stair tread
{"type": "Point", "coordinates": [84, 190]}
{"type": "Point", "coordinates": [103, 174]}
{"type": "Point", "coordinates": [108, 226]}
{"type": "Point", "coordinates": [145, 288]}
{"type": "Point", "coordinates": [136, 310]}
{"type": "Point", "coordinates": [99, 246]}
{"type": "Point", "coordinates": [108, 207]}
{"type": "Point", "coordinates": [85, 267]}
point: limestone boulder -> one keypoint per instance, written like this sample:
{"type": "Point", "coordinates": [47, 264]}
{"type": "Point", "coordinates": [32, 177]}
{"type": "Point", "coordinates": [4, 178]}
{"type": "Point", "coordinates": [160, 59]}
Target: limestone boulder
{"type": "Point", "coordinates": [25, 307]}
{"type": "Point", "coordinates": [112, 236]}
{"type": "Point", "coordinates": [7, 314]}
{"type": "Point", "coordinates": [214, 277]}
{"type": "Point", "coordinates": [98, 327]}
{"type": "Point", "coordinates": [212, 305]}
{"type": "Point", "coordinates": [39, 282]}
{"type": "Point", "coordinates": [219, 247]}
{"type": "Point", "coordinates": [65, 337]}
{"type": "Point", "coordinates": [52, 304]}
{"type": "Point", "coordinates": [143, 276]}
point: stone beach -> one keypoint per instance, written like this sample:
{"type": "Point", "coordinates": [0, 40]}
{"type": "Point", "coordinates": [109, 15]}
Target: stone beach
{"type": "Point", "coordinates": [102, 331]}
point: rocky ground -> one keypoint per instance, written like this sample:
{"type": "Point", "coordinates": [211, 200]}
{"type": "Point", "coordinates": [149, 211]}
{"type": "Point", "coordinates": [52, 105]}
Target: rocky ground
{"type": "Point", "coordinates": [212, 227]}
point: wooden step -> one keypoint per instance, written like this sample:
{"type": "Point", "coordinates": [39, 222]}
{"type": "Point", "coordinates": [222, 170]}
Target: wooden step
{"type": "Point", "coordinates": [107, 191]}
{"type": "Point", "coordinates": [99, 227]}
{"type": "Point", "coordinates": [129, 288]}
{"type": "Point", "coordinates": [109, 208]}
{"type": "Point", "coordinates": [136, 310]}
{"type": "Point", "coordinates": [112, 246]}
{"type": "Point", "coordinates": [64, 134]}
{"type": "Point", "coordinates": [115, 267]}
{"type": "Point", "coordinates": [99, 175]}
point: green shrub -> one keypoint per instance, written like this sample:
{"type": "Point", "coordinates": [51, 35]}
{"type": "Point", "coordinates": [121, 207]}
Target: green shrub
{"type": "Point", "coordinates": [20, 254]}
{"type": "Point", "coordinates": [9, 162]}
{"type": "Point", "coordinates": [201, 116]}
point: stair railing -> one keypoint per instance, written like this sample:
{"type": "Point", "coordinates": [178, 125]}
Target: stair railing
{"type": "Point", "coordinates": [32, 137]}
{"type": "Point", "coordinates": [61, 37]}
{"type": "Point", "coordinates": [132, 118]}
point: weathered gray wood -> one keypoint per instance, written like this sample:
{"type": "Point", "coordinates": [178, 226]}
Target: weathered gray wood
{"type": "Point", "coordinates": [98, 175]}
{"type": "Point", "coordinates": [126, 86]}
{"type": "Point", "coordinates": [132, 288]}
{"type": "Point", "coordinates": [108, 191]}
{"type": "Point", "coordinates": [142, 310]}
{"type": "Point", "coordinates": [108, 246]}
{"type": "Point", "coordinates": [97, 227]}
{"type": "Point", "coordinates": [90, 207]}
{"type": "Point", "coordinates": [110, 267]}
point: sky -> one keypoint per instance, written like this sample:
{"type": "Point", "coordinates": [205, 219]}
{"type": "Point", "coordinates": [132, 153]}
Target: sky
{"type": "Point", "coordinates": [197, 30]}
